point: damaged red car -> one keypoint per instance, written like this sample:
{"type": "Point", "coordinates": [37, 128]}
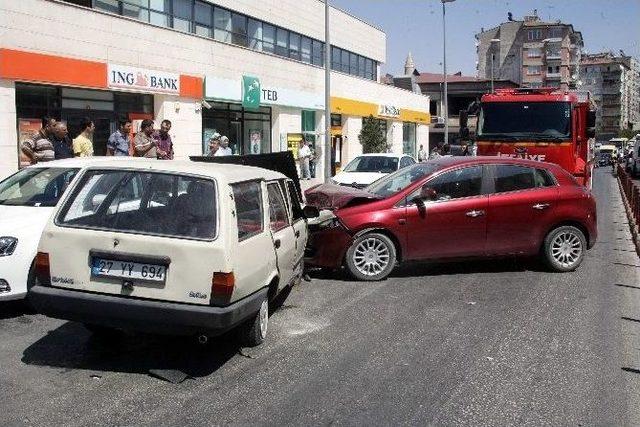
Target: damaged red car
{"type": "Point", "coordinates": [453, 208]}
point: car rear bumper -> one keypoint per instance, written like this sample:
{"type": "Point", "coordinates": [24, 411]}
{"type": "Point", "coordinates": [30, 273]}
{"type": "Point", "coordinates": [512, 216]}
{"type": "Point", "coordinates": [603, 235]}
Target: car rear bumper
{"type": "Point", "coordinates": [143, 315]}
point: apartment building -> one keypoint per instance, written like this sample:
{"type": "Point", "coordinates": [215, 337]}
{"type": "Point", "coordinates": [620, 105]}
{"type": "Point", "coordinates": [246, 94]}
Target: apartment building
{"type": "Point", "coordinates": [192, 62]}
{"type": "Point", "coordinates": [614, 83]}
{"type": "Point", "coordinates": [531, 52]}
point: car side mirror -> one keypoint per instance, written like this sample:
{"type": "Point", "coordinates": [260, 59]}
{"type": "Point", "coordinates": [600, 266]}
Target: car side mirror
{"type": "Point", "coordinates": [310, 212]}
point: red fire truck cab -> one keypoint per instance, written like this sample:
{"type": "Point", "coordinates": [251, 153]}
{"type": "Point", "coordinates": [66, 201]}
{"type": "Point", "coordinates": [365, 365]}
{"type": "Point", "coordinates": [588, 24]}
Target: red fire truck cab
{"type": "Point", "coordinates": [543, 124]}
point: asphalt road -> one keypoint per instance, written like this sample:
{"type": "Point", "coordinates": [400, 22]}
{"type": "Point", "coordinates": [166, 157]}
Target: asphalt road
{"type": "Point", "coordinates": [481, 343]}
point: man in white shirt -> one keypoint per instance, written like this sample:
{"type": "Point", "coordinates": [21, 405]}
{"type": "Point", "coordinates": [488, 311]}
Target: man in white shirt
{"type": "Point", "coordinates": [304, 155]}
{"type": "Point", "coordinates": [224, 149]}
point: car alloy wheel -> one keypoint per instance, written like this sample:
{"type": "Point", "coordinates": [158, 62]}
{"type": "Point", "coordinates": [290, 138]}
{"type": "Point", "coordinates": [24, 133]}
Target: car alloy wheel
{"type": "Point", "coordinates": [372, 256]}
{"type": "Point", "coordinates": [564, 248]}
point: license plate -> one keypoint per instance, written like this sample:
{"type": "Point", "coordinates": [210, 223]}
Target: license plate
{"type": "Point", "coordinates": [102, 267]}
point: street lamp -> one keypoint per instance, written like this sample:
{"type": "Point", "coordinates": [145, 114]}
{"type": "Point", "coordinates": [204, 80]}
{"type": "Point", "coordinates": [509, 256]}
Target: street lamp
{"type": "Point", "coordinates": [493, 41]}
{"type": "Point", "coordinates": [444, 71]}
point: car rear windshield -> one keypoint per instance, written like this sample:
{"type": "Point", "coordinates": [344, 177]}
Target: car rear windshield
{"type": "Point", "coordinates": [35, 186]}
{"type": "Point", "coordinates": [143, 203]}
{"type": "Point", "coordinates": [515, 121]}
{"type": "Point", "coordinates": [373, 164]}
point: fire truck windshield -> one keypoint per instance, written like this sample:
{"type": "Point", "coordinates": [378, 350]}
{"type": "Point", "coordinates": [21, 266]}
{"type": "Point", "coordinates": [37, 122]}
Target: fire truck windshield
{"type": "Point", "coordinates": [517, 121]}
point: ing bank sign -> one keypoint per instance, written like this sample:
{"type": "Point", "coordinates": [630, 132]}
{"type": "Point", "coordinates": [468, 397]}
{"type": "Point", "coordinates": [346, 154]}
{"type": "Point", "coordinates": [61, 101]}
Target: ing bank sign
{"type": "Point", "coordinates": [143, 80]}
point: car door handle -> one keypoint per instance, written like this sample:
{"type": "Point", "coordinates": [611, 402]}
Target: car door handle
{"type": "Point", "coordinates": [540, 206]}
{"type": "Point", "coordinates": [276, 243]}
{"type": "Point", "coordinates": [474, 214]}
{"type": "Point", "coordinates": [402, 221]}
{"type": "Point", "coordinates": [297, 233]}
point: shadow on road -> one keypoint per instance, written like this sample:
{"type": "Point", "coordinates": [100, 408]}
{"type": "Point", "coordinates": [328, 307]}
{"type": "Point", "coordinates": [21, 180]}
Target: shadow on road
{"type": "Point", "coordinates": [445, 268]}
{"type": "Point", "coordinates": [71, 346]}
{"type": "Point", "coordinates": [13, 309]}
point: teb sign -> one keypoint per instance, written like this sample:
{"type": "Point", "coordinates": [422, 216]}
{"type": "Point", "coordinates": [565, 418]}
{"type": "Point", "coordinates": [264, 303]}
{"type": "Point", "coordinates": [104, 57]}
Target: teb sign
{"type": "Point", "coordinates": [133, 78]}
{"type": "Point", "coordinates": [250, 92]}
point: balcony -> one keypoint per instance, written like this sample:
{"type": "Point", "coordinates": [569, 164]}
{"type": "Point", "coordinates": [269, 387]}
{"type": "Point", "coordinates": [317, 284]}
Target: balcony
{"type": "Point", "coordinates": [553, 76]}
{"type": "Point", "coordinates": [550, 56]}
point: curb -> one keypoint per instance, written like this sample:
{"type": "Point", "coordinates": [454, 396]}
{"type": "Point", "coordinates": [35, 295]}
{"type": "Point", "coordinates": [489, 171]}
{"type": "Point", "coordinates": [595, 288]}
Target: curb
{"type": "Point", "coordinates": [633, 225]}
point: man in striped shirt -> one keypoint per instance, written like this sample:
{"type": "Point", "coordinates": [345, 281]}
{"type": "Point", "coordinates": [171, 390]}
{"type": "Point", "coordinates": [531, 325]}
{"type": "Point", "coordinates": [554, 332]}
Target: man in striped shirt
{"type": "Point", "coordinates": [38, 147]}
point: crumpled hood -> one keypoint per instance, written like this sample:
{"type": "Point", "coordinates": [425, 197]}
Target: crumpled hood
{"type": "Point", "coordinates": [16, 220]}
{"type": "Point", "coordinates": [331, 196]}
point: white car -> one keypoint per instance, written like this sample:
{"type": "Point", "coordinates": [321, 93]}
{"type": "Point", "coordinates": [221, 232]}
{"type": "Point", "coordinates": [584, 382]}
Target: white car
{"type": "Point", "coordinates": [27, 200]}
{"type": "Point", "coordinates": [368, 168]}
{"type": "Point", "coordinates": [179, 247]}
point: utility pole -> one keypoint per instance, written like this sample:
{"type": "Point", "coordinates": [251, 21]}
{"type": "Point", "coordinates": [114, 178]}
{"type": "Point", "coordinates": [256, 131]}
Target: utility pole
{"type": "Point", "coordinates": [327, 96]}
{"type": "Point", "coordinates": [444, 71]}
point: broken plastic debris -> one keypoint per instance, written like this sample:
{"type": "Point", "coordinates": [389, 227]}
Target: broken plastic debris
{"type": "Point", "coordinates": [471, 303]}
{"type": "Point", "coordinates": [95, 377]}
{"type": "Point", "coordinates": [489, 358]}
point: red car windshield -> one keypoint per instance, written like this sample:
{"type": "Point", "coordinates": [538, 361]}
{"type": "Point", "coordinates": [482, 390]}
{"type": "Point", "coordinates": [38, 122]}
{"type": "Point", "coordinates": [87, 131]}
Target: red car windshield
{"type": "Point", "coordinates": [395, 182]}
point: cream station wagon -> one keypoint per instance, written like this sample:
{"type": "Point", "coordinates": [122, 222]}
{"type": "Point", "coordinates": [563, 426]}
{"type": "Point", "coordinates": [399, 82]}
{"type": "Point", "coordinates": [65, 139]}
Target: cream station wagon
{"type": "Point", "coordinates": [173, 247]}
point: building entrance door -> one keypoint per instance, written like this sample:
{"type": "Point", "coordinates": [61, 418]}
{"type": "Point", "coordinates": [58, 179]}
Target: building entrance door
{"type": "Point", "coordinates": [104, 121]}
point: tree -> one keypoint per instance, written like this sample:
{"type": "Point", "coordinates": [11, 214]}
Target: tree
{"type": "Point", "coordinates": [371, 136]}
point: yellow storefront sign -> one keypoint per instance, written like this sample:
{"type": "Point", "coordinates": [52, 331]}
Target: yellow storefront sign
{"type": "Point", "coordinates": [364, 109]}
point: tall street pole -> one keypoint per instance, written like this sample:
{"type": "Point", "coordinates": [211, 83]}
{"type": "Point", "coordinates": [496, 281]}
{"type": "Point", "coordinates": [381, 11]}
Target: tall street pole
{"type": "Point", "coordinates": [492, 59]}
{"type": "Point", "coordinates": [444, 72]}
{"type": "Point", "coordinates": [327, 96]}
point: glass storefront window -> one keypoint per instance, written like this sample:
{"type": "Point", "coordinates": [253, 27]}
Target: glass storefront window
{"type": "Point", "coordinates": [409, 139]}
{"type": "Point", "coordinates": [249, 131]}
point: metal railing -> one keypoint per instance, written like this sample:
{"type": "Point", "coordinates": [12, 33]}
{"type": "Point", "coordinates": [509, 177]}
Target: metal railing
{"type": "Point", "coordinates": [631, 190]}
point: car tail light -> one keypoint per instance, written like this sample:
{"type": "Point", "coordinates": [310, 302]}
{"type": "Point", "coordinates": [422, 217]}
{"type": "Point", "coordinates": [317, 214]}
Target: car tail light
{"type": "Point", "coordinates": [222, 285]}
{"type": "Point", "coordinates": [43, 270]}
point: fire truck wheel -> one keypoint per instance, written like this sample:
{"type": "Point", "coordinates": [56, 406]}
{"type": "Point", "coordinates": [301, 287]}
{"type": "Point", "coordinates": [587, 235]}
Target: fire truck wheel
{"type": "Point", "coordinates": [564, 248]}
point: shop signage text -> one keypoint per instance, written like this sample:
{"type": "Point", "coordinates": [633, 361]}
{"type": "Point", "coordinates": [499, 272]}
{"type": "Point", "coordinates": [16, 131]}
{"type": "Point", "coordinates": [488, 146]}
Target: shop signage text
{"type": "Point", "coordinates": [388, 111]}
{"type": "Point", "coordinates": [217, 88]}
{"type": "Point", "coordinates": [123, 77]}
{"type": "Point", "coordinates": [269, 95]}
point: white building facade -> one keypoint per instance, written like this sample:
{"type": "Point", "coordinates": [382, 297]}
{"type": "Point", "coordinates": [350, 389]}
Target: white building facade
{"type": "Point", "coordinates": [250, 70]}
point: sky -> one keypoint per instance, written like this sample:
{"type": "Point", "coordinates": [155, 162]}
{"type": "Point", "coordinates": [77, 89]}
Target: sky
{"type": "Point", "coordinates": [416, 26]}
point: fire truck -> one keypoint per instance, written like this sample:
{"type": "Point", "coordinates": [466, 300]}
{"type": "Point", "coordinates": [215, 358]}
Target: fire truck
{"type": "Point", "coordinates": [544, 124]}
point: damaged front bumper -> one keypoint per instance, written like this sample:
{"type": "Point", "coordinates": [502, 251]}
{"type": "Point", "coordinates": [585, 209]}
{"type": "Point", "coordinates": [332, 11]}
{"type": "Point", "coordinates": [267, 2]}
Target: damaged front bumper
{"type": "Point", "coordinates": [328, 241]}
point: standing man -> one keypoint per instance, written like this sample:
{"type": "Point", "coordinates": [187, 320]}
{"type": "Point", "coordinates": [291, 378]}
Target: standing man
{"type": "Point", "coordinates": [37, 147]}
{"type": "Point", "coordinates": [144, 145]}
{"type": "Point", "coordinates": [224, 149]}
{"type": "Point", "coordinates": [82, 145]}
{"type": "Point", "coordinates": [62, 145]}
{"type": "Point", "coordinates": [304, 155]}
{"type": "Point", "coordinates": [118, 143]}
{"type": "Point", "coordinates": [422, 154]}
{"type": "Point", "coordinates": [164, 144]}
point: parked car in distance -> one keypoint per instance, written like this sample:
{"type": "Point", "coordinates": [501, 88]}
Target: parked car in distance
{"type": "Point", "coordinates": [27, 199]}
{"type": "Point", "coordinates": [454, 208]}
{"type": "Point", "coordinates": [176, 247]}
{"type": "Point", "coordinates": [606, 154]}
{"type": "Point", "coordinates": [367, 168]}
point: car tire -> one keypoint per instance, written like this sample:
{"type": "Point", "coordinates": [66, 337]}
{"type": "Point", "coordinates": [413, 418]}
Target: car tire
{"type": "Point", "coordinates": [564, 248]}
{"type": "Point", "coordinates": [254, 331]}
{"type": "Point", "coordinates": [371, 257]}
